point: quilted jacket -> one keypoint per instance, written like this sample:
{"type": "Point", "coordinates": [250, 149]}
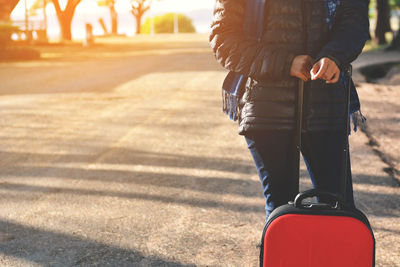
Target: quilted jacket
{"type": "Point", "coordinates": [291, 28]}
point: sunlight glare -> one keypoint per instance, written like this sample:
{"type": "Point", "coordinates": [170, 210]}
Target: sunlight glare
{"type": "Point", "coordinates": [158, 7]}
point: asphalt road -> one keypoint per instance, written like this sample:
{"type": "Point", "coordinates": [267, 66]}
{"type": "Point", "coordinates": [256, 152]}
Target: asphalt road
{"type": "Point", "coordinates": [119, 156]}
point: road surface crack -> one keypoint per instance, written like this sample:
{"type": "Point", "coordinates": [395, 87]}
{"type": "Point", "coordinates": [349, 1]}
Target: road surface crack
{"type": "Point", "coordinates": [391, 169]}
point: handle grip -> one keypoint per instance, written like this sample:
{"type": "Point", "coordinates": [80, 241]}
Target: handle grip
{"type": "Point", "coordinates": [315, 193]}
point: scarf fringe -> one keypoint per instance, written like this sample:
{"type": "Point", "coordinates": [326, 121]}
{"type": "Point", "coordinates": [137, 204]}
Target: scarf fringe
{"type": "Point", "coordinates": [230, 105]}
{"type": "Point", "coordinates": [358, 120]}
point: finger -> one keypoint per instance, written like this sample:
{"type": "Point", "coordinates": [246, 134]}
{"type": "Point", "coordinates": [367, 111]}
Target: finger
{"type": "Point", "coordinates": [306, 74]}
{"type": "Point", "coordinates": [332, 70]}
{"type": "Point", "coordinates": [308, 64]}
{"type": "Point", "coordinates": [329, 75]}
{"type": "Point", "coordinates": [315, 69]}
{"type": "Point", "coordinates": [308, 67]}
{"type": "Point", "coordinates": [322, 71]}
{"type": "Point", "coordinates": [331, 80]}
{"type": "Point", "coordinates": [302, 76]}
{"type": "Point", "coordinates": [333, 73]}
{"type": "Point", "coordinates": [335, 78]}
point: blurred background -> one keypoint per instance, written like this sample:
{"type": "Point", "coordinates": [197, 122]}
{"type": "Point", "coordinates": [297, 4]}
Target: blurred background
{"type": "Point", "coordinates": [52, 21]}
{"type": "Point", "coordinates": [43, 20]}
{"type": "Point", "coordinates": [114, 150]}
{"type": "Point", "coordinates": [64, 20]}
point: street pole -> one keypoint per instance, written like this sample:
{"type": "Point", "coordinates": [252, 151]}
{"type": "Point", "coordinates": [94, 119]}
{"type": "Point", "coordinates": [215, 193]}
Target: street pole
{"type": "Point", "coordinates": [176, 26]}
{"type": "Point", "coordinates": [152, 25]}
{"type": "Point", "coordinates": [45, 16]}
{"type": "Point", "coordinates": [26, 23]}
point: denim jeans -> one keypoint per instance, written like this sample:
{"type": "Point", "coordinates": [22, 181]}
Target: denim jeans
{"type": "Point", "coordinates": [274, 154]}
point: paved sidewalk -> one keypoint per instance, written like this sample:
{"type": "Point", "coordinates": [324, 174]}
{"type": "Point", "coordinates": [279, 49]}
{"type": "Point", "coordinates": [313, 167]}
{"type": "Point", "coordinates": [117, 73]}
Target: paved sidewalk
{"type": "Point", "coordinates": [128, 161]}
{"type": "Point", "coordinates": [376, 57]}
{"type": "Point", "coordinates": [380, 104]}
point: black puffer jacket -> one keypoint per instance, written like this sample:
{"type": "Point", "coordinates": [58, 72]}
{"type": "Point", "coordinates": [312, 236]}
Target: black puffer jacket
{"type": "Point", "coordinates": [291, 27]}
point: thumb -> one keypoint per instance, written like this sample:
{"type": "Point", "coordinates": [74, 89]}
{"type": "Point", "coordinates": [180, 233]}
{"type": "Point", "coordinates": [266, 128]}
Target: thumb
{"type": "Point", "coordinates": [315, 69]}
{"type": "Point", "coordinates": [309, 63]}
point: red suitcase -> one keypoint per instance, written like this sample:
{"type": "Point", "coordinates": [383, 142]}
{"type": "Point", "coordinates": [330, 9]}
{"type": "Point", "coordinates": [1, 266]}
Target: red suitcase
{"type": "Point", "coordinates": [316, 234]}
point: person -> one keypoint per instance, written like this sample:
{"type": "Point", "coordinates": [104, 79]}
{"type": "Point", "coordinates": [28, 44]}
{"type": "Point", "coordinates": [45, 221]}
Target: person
{"type": "Point", "coordinates": [312, 40]}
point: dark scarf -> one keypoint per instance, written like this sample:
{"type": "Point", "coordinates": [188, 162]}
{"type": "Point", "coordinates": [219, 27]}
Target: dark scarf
{"type": "Point", "coordinates": [234, 83]}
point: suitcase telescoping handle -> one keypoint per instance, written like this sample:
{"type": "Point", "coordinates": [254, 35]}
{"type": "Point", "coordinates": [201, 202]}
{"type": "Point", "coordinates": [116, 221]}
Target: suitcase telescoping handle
{"type": "Point", "coordinates": [348, 72]}
{"type": "Point", "coordinates": [344, 164]}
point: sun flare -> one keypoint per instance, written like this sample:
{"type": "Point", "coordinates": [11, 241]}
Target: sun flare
{"type": "Point", "coordinates": [158, 7]}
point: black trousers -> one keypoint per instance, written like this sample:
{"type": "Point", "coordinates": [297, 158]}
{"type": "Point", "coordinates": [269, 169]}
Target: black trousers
{"type": "Point", "coordinates": [275, 159]}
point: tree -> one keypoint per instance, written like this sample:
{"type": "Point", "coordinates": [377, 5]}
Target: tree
{"type": "Point", "coordinates": [113, 13]}
{"type": "Point", "coordinates": [382, 21]}
{"type": "Point", "coordinates": [65, 17]}
{"type": "Point", "coordinates": [395, 44]}
{"type": "Point", "coordinates": [165, 24]}
{"type": "Point", "coordinates": [6, 29]}
{"type": "Point", "coordinates": [6, 7]}
{"type": "Point", "coordinates": [139, 8]}
{"type": "Point", "coordinates": [38, 4]}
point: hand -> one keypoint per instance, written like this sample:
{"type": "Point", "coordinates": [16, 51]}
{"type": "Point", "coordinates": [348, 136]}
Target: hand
{"type": "Point", "coordinates": [325, 69]}
{"type": "Point", "coordinates": [301, 67]}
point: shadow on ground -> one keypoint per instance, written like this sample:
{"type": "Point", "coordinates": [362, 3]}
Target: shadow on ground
{"type": "Point", "coordinates": [49, 249]}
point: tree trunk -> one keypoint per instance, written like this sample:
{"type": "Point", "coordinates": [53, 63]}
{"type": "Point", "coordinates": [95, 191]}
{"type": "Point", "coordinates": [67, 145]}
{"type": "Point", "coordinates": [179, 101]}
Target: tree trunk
{"type": "Point", "coordinates": [114, 20]}
{"type": "Point", "coordinates": [138, 23]}
{"type": "Point", "coordinates": [6, 7]}
{"type": "Point", "coordinates": [66, 24]}
{"type": "Point", "coordinates": [395, 44]}
{"type": "Point", "coordinates": [383, 21]}
{"type": "Point", "coordinates": [65, 17]}
{"type": "Point", "coordinates": [138, 12]}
